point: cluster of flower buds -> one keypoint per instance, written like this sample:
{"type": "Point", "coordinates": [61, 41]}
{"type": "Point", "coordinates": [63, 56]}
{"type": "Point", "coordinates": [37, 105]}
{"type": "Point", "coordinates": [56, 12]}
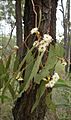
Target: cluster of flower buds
{"type": "Point", "coordinates": [46, 40]}
{"type": "Point", "coordinates": [54, 79]}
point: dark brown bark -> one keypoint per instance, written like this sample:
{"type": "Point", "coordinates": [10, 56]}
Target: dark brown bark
{"type": "Point", "coordinates": [28, 24]}
{"type": "Point", "coordinates": [19, 28]}
{"type": "Point", "coordinates": [22, 109]}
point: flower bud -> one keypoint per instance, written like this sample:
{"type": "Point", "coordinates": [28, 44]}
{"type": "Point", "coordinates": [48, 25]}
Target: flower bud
{"type": "Point", "coordinates": [34, 30]}
{"type": "Point", "coordinates": [16, 47]}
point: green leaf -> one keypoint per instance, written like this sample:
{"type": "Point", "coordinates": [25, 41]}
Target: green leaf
{"type": "Point", "coordinates": [52, 59]}
{"type": "Point", "coordinates": [1, 83]}
{"type": "Point", "coordinates": [3, 79]}
{"type": "Point", "coordinates": [63, 105]}
{"type": "Point", "coordinates": [16, 64]}
{"type": "Point", "coordinates": [60, 69]}
{"type": "Point", "coordinates": [8, 62]}
{"type": "Point", "coordinates": [6, 84]}
{"type": "Point", "coordinates": [4, 97]}
{"type": "Point", "coordinates": [11, 89]}
{"type": "Point", "coordinates": [63, 83]}
{"type": "Point", "coordinates": [2, 71]}
{"type": "Point", "coordinates": [59, 50]}
{"type": "Point", "coordinates": [2, 67]}
{"type": "Point", "coordinates": [43, 73]}
{"type": "Point", "coordinates": [50, 64]}
{"type": "Point", "coordinates": [39, 94]}
{"type": "Point", "coordinates": [33, 71]}
{"type": "Point", "coordinates": [49, 102]}
{"type": "Point", "coordinates": [24, 59]}
{"type": "Point", "coordinates": [29, 64]}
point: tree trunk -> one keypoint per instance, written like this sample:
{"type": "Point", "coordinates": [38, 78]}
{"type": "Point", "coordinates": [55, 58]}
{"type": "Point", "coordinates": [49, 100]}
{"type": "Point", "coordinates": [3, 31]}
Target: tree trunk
{"type": "Point", "coordinates": [19, 28]}
{"type": "Point", "coordinates": [22, 109]}
{"type": "Point", "coordinates": [68, 37]}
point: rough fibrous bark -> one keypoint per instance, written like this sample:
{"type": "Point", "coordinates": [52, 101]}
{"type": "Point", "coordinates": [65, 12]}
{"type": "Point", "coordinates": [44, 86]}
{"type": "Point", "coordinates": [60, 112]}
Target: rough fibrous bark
{"type": "Point", "coordinates": [22, 109]}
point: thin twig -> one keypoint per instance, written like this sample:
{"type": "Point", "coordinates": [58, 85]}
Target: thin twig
{"type": "Point", "coordinates": [34, 12]}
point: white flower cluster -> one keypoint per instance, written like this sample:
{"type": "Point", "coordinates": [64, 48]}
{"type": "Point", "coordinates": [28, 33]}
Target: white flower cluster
{"type": "Point", "coordinates": [47, 39]}
{"type": "Point", "coordinates": [54, 79]}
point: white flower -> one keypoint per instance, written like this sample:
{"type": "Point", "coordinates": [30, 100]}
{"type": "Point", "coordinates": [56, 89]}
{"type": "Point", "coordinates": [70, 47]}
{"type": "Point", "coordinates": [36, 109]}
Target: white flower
{"type": "Point", "coordinates": [47, 38]}
{"type": "Point", "coordinates": [34, 30]}
{"type": "Point", "coordinates": [36, 43]}
{"type": "Point", "coordinates": [43, 42]}
{"type": "Point", "coordinates": [64, 62]}
{"type": "Point", "coordinates": [42, 48]}
{"type": "Point", "coordinates": [18, 75]}
{"type": "Point", "coordinates": [54, 79]}
{"type": "Point", "coordinates": [1, 47]}
{"type": "Point", "coordinates": [20, 79]}
{"type": "Point", "coordinates": [50, 84]}
{"type": "Point", "coordinates": [16, 47]}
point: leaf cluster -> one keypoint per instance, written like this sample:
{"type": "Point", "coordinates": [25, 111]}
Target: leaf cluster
{"type": "Point", "coordinates": [30, 66]}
